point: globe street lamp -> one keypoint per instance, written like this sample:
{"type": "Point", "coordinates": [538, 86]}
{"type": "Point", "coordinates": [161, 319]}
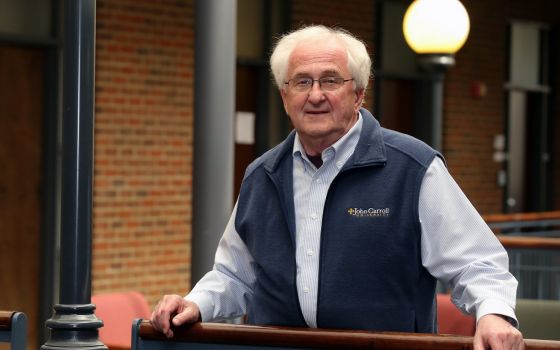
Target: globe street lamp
{"type": "Point", "coordinates": [435, 30]}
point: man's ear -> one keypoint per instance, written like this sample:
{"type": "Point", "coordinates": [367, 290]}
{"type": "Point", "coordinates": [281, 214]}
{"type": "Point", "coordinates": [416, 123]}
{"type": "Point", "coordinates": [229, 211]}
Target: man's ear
{"type": "Point", "coordinates": [360, 97]}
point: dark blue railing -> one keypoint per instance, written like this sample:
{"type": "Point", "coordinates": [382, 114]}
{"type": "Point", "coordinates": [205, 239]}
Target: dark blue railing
{"type": "Point", "coordinates": [13, 329]}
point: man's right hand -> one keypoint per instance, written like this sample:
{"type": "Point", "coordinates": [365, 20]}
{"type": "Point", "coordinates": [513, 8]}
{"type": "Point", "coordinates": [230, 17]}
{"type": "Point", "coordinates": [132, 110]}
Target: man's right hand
{"type": "Point", "coordinates": [173, 309]}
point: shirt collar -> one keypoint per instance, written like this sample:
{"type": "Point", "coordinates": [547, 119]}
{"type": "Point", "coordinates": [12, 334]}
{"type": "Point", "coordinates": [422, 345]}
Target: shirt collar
{"type": "Point", "coordinates": [342, 149]}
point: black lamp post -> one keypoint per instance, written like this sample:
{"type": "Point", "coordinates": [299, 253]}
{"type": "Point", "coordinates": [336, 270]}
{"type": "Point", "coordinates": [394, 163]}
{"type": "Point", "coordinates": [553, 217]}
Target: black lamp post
{"type": "Point", "coordinates": [435, 30]}
{"type": "Point", "coordinates": [73, 324]}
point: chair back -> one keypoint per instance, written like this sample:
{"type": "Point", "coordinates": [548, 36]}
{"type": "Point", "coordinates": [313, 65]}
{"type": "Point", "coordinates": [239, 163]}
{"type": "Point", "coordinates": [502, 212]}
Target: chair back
{"type": "Point", "coordinates": [451, 320]}
{"type": "Point", "coordinates": [118, 310]}
{"type": "Point", "coordinates": [538, 319]}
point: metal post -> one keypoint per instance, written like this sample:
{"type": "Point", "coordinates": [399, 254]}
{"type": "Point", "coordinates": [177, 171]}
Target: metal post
{"type": "Point", "coordinates": [435, 67]}
{"type": "Point", "coordinates": [437, 112]}
{"type": "Point", "coordinates": [214, 112]}
{"type": "Point", "coordinates": [74, 325]}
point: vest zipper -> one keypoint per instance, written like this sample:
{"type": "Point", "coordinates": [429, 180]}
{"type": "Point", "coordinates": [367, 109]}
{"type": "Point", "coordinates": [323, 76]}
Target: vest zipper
{"type": "Point", "coordinates": [333, 183]}
{"type": "Point", "coordinates": [295, 292]}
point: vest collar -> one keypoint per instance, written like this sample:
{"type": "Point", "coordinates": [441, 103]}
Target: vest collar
{"type": "Point", "coordinates": [369, 150]}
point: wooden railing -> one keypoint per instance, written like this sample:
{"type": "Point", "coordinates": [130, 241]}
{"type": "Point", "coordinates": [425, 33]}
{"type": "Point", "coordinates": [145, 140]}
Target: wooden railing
{"type": "Point", "coordinates": [226, 336]}
{"type": "Point", "coordinates": [13, 329]}
{"type": "Point", "coordinates": [6, 320]}
{"type": "Point", "coordinates": [533, 244]}
{"type": "Point", "coordinates": [534, 224]}
{"type": "Point", "coordinates": [529, 242]}
{"type": "Point", "coordinates": [522, 217]}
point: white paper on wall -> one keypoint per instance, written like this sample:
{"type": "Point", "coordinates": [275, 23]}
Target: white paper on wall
{"type": "Point", "coordinates": [245, 128]}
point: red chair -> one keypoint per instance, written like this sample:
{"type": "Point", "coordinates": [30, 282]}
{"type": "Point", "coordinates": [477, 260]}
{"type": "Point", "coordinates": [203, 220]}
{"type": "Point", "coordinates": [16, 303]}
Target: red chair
{"type": "Point", "coordinates": [118, 310]}
{"type": "Point", "coordinates": [451, 320]}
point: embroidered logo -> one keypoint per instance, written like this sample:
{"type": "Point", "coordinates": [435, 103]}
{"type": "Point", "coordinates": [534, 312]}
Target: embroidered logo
{"type": "Point", "coordinates": [370, 212]}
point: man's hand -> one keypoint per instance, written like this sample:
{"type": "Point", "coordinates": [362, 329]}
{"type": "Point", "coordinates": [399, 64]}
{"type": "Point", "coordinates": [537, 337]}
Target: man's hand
{"type": "Point", "coordinates": [494, 332]}
{"type": "Point", "coordinates": [173, 309]}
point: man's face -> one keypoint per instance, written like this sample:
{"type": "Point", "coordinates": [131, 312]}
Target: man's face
{"type": "Point", "coordinates": [321, 117]}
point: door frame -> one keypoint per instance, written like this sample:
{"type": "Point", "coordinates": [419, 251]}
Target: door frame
{"type": "Point", "coordinates": [51, 146]}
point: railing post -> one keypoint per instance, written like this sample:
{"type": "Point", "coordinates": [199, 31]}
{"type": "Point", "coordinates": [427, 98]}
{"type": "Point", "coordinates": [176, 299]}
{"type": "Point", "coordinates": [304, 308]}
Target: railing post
{"type": "Point", "coordinates": [74, 324]}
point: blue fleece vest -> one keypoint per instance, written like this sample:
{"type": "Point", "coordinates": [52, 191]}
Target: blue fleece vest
{"type": "Point", "coordinates": [371, 275]}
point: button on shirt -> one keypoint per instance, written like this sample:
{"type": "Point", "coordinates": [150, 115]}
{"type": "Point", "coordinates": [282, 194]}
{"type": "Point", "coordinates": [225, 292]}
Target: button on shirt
{"type": "Point", "coordinates": [458, 247]}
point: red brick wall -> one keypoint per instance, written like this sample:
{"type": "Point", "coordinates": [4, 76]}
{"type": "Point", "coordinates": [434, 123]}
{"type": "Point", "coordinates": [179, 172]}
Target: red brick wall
{"type": "Point", "coordinates": [470, 123]}
{"type": "Point", "coordinates": [143, 146]}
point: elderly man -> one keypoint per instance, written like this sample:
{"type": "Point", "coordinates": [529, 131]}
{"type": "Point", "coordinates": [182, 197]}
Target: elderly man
{"type": "Point", "coordinates": [346, 224]}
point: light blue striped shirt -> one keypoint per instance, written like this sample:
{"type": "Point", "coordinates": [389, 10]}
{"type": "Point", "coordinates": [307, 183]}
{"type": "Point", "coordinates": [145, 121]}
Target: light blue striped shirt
{"type": "Point", "coordinates": [458, 248]}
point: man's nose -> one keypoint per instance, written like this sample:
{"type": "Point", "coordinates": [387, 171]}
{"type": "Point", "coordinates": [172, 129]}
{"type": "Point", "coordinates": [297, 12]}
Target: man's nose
{"type": "Point", "coordinates": [316, 93]}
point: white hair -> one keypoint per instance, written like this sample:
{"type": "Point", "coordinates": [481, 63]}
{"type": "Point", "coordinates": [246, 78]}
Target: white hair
{"type": "Point", "coordinates": [359, 62]}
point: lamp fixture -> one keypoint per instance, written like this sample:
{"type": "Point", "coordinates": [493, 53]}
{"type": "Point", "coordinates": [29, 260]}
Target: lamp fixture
{"type": "Point", "coordinates": [436, 29]}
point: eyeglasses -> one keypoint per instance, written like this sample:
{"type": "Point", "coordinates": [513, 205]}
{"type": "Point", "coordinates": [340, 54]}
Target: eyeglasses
{"type": "Point", "coordinates": [304, 84]}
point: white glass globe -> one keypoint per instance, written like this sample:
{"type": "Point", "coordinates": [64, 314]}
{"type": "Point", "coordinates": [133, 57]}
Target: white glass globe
{"type": "Point", "coordinates": [436, 26]}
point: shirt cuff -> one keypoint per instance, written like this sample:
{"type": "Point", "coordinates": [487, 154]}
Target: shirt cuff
{"type": "Point", "coordinates": [498, 307]}
{"type": "Point", "coordinates": [204, 304]}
